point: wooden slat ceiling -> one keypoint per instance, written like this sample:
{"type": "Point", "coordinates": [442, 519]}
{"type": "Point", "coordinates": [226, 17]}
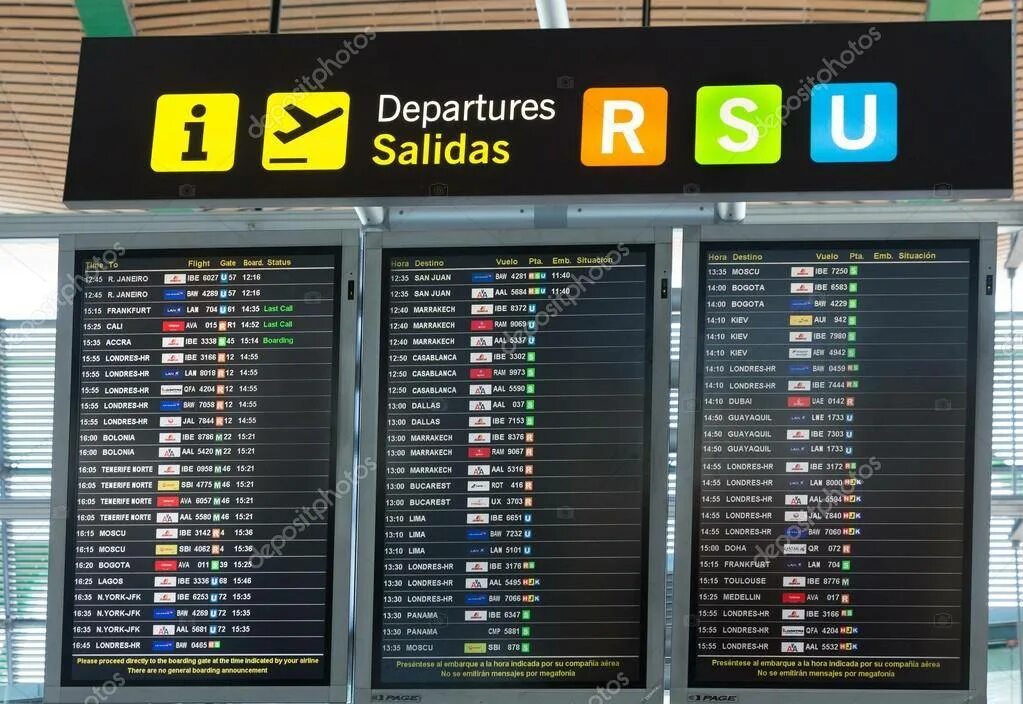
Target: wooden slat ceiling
{"type": "Point", "coordinates": [676, 12]}
{"type": "Point", "coordinates": [38, 64]}
{"type": "Point", "coordinates": [200, 16]}
{"type": "Point", "coordinates": [39, 51]}
{"type": "Point", "coordinates": [400, 15]}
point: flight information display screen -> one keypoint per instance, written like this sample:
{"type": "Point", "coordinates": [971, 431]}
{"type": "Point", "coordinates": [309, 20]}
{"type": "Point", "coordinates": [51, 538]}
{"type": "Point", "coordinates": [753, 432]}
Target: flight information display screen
{"type": "Point", "coordinates": [512, 495]}
{"type": "Point", "coordinates": [834, 460]}
{"type": "Point", "coordinates": [202, 462]}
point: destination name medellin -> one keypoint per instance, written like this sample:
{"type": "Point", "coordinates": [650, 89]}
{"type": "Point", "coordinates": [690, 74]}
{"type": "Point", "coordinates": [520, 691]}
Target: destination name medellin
{"type": "Point", "coordinates": [434, 147]}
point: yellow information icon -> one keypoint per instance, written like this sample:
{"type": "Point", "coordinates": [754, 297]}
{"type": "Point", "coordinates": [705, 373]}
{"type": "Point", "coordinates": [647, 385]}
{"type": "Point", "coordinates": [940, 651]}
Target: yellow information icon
{"type": "Point", "coordinates": [306, 131]}
{"type": "Point", "coordinates": [195, 132]}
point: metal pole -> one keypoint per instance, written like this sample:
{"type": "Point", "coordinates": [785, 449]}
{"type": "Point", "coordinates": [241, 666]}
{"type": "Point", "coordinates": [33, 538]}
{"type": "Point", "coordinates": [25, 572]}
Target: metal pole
{"type": "Point", "coordinates": [553, 14]}
{"type": "Point", "coordinates": [275, 16]}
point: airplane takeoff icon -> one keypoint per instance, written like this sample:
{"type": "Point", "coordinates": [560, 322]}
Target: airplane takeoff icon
{"type": "Point", "coordinates": [307, 122]}
{"type": "Point", "coordinates": [306, 131]}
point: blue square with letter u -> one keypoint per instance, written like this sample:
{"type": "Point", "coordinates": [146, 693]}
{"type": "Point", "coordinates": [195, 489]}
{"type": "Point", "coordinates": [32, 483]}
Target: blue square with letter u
{"type": "Point", "coordinates": [853, 122]}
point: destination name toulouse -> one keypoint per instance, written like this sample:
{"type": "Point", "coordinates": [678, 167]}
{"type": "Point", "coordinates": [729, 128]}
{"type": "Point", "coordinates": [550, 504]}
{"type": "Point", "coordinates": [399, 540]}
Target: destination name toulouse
{"type": "Point", "coordinates": [733, 438]}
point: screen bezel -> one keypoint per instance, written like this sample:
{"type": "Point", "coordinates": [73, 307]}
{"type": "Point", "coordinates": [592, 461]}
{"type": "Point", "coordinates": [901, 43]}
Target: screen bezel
{"type": "Point", "coordinates": [981, 238]}
{"type": "Point", "coordinates": [657, 488]}
{"type": "Point", "coordinates": [334, 687]}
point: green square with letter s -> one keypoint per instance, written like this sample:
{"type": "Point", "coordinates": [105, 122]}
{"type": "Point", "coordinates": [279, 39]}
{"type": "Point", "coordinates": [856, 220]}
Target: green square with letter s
{"type": "Point", "coordinates": [738, 124]}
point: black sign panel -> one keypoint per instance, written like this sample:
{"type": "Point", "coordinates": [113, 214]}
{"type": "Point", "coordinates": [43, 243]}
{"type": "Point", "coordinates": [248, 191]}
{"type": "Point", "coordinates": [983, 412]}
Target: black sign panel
{"type": "Point", "coordinates": [680, 112]}
{"type": "Point", "coordinates": [834, 465]}
{"type": "Point", "coordinates": [203, 433]}
{"type": "Point", "coordinates": [512, 499]}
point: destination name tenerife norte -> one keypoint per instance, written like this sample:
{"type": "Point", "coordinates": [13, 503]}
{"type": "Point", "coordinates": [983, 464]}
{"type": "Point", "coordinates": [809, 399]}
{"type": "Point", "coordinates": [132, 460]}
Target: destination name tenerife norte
{"type": "Point", "coordinates": [434, 147]}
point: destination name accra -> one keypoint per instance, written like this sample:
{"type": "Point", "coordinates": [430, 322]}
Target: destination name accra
{"type": "Point", "coordinates": [434, 147]}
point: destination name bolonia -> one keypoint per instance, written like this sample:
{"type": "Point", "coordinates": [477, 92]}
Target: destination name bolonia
{"type": "Point", "coordinates": [431, 148]}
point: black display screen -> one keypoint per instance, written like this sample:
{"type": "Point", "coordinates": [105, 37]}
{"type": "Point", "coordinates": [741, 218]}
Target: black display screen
{"type": "Point", "coordinates": [834, 464]}
{"type": "Point", "coordinates": [202, 462]}
{"type": "Point", "coordinates": [512, 495]}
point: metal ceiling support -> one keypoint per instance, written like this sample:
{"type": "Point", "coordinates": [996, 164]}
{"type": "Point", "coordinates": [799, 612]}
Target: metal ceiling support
{"type": "Point", "coordinates": [529, 217]}
{"type": "Point", "coordinates": [730, 212]}
{"type": "Point", "coordinates": [371, 217]}
{"type": "Point", "coordinates": [553, 14]}
{"type": "Point", "coordinates": [1015, 256]}
{"type": "Point", "coordinates": [944, 10]}
{"type": "Point", "coordinates": [461, 218]}
{"type": "Point", "coordinates": [105, 18]}
{"type": "Point", "coordinates": [275, 16]}
{"type": "Point", "coordinates": [1005, 213]}
{"type": "Point", "coordinates": [1008, 214]}
{"type": "Point", "coordinates": [645, 19]}
{"type": "Point", "coordinates": [50, 226]}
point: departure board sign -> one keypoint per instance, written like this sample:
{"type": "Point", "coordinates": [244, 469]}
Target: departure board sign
{"type": "Point", "coordinates": [770, 112]}
{"type": "Point", "coordinates": [202, 460]}
{"type": "Point", "coordinates": [512, 493]}
{"type": "Point", "coordinates": [834, 461]}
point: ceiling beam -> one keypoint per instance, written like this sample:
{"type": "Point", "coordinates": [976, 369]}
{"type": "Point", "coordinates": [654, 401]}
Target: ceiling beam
{"type": "Point", "coordinates": [105, 18]}
{"type": "Point", "coordinates": [944, 10]}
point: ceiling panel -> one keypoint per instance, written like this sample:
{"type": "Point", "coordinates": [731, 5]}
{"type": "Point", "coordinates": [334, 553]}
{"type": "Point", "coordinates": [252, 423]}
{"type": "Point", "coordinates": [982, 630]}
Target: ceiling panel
{"type": "Point", "coordinates": [38, 63]}
{"type": "Point", "coordinates": [202, 17]}
{"type": "Point", "coordinates": [675, 12]}
{"type": "Point", "coordinates": [402, 15]}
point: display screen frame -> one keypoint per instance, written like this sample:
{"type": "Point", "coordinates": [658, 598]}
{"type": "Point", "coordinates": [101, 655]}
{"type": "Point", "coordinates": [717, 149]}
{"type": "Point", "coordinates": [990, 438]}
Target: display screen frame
{"type": "Point", "coordinates": [342, 248]}
{"type": "Point", "coordinates": [371, 390]}
{"type": "Point", "coordinates": [981, 239]}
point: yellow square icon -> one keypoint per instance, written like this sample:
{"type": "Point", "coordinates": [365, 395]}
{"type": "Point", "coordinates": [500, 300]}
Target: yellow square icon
{"type": "Point", "coordinates": [306, 131]}
{"type": "Point", "coordinates": [195, 132]}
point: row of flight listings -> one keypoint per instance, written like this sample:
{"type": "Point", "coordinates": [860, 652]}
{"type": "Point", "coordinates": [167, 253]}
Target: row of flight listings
{"type": "Point", "coordinates": [517, 480]}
